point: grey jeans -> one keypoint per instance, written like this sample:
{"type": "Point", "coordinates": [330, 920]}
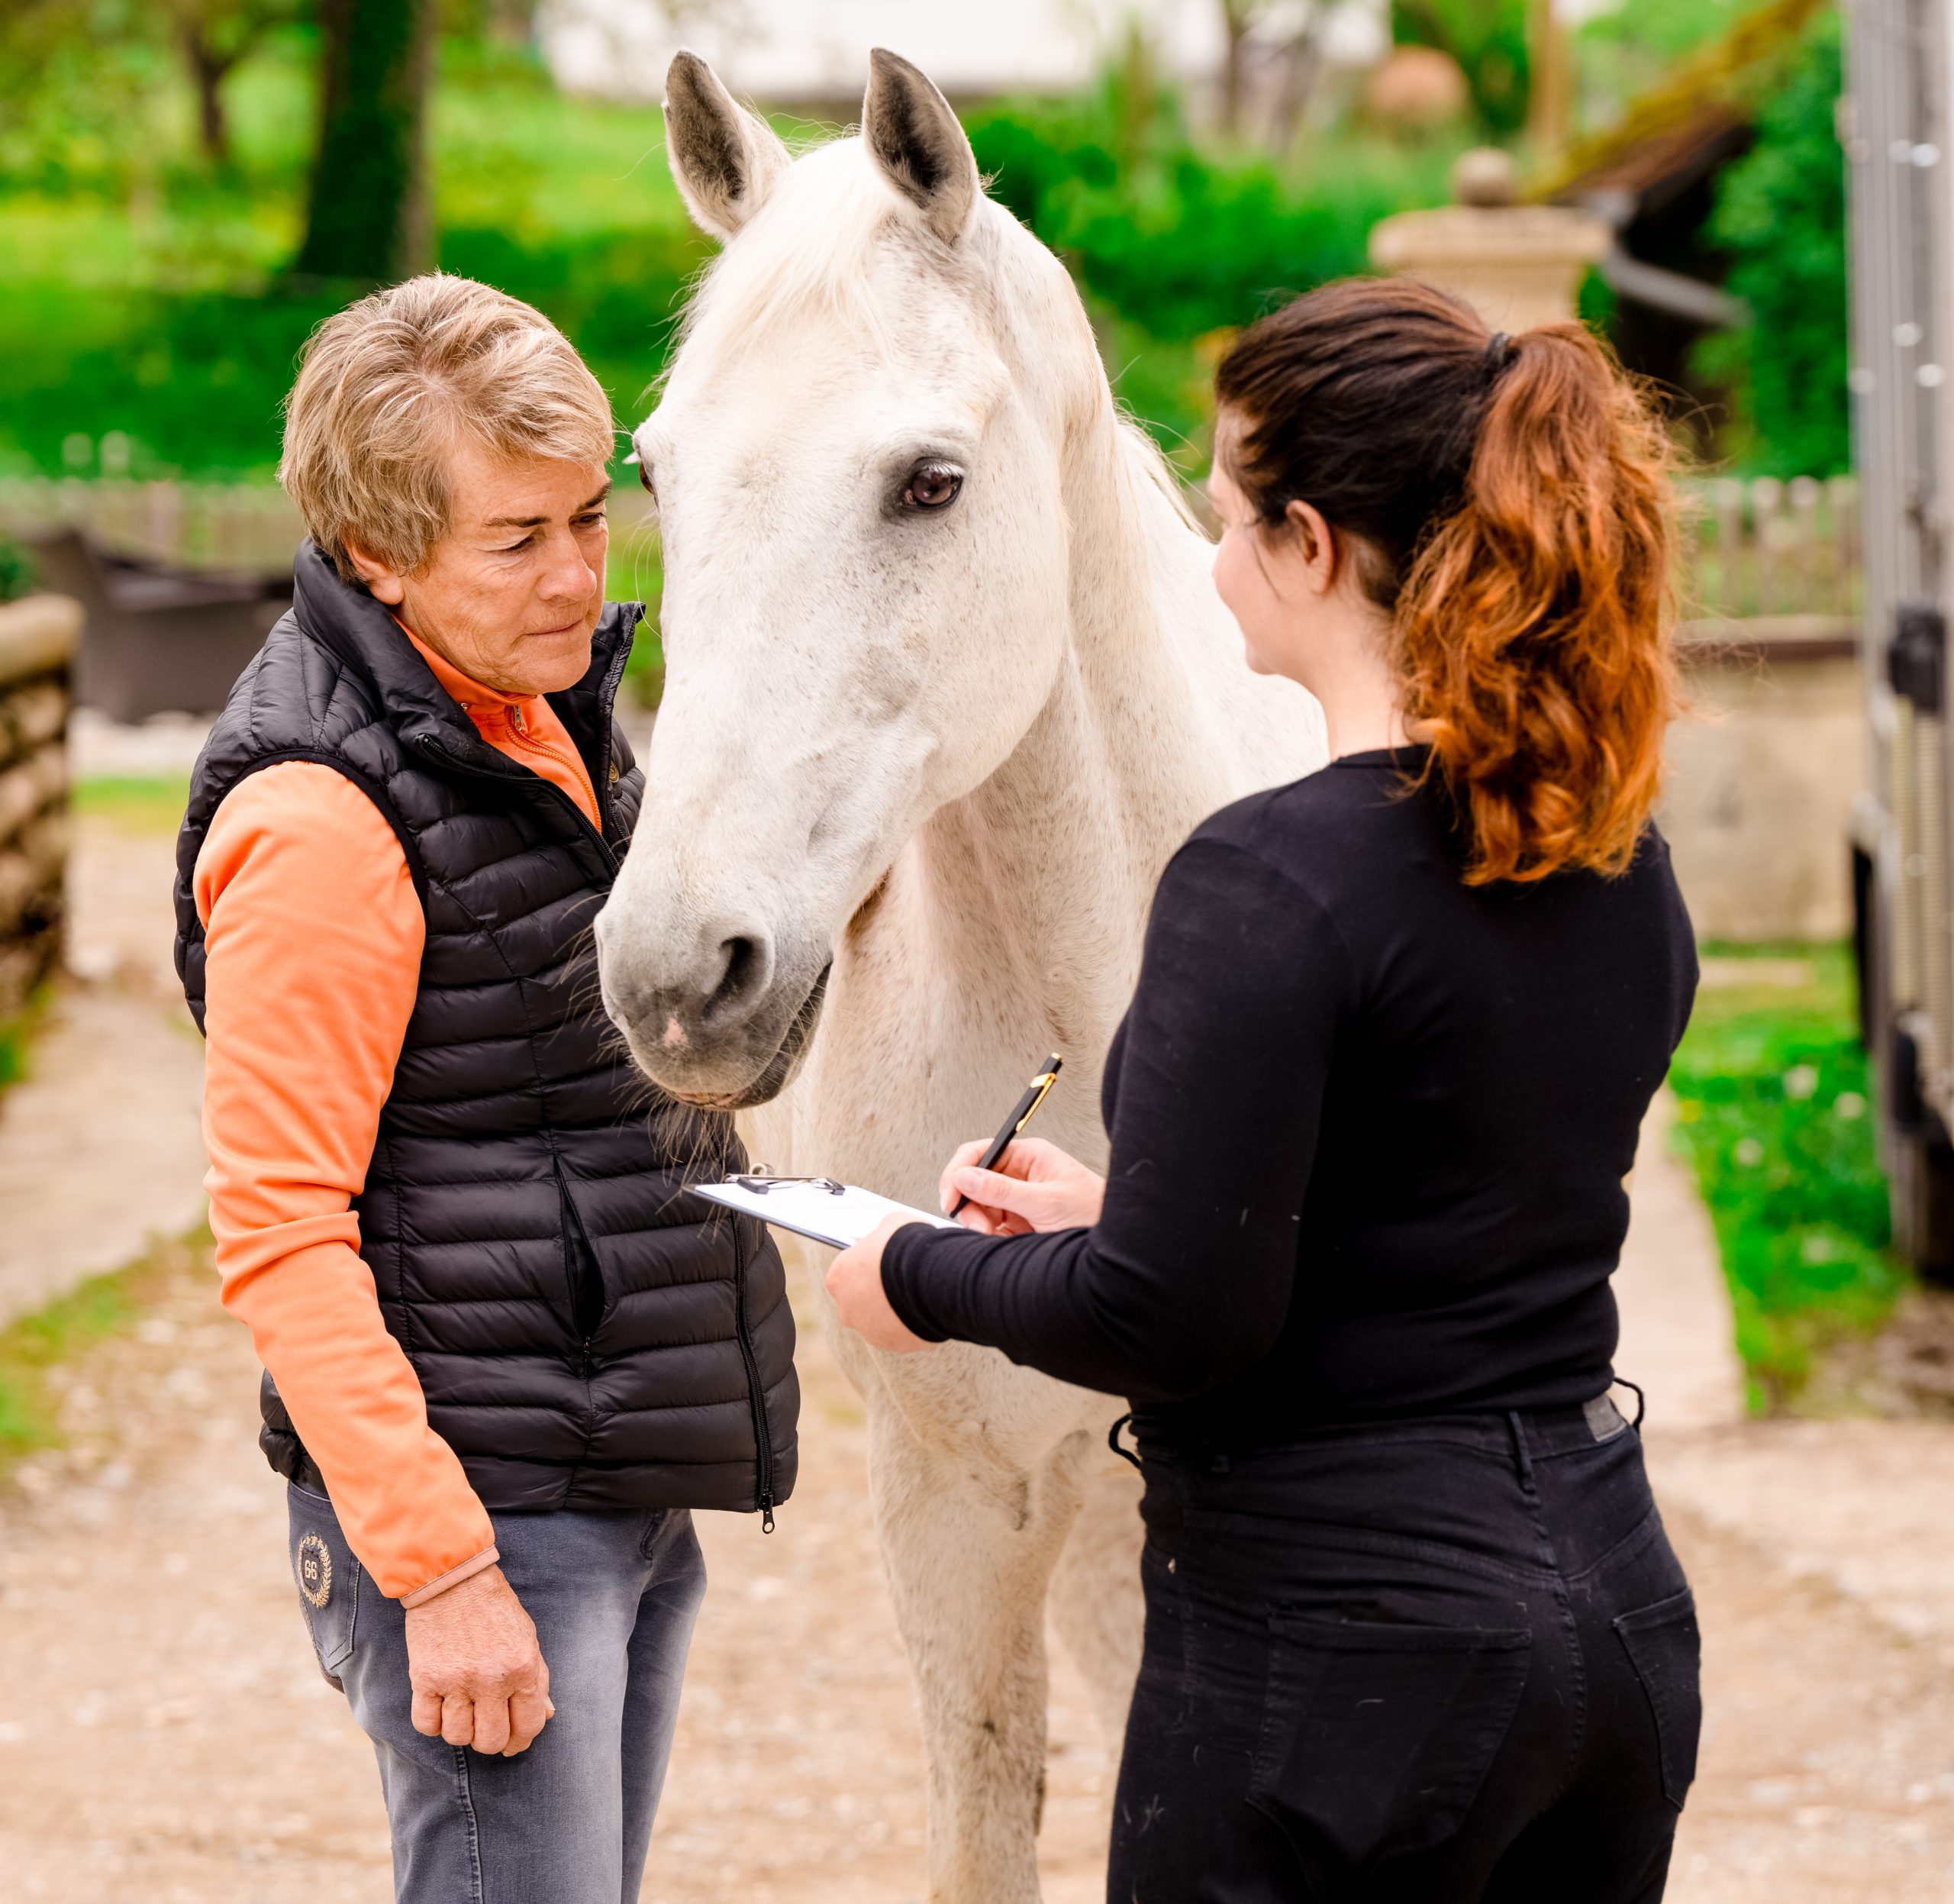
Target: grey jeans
{"type": "Point", "coordinates": [614, 1597]}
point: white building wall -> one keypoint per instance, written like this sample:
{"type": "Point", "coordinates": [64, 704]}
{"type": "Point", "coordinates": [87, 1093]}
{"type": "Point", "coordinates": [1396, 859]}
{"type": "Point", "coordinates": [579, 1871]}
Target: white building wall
{"type": "Point", "coordinates": [794, 50]}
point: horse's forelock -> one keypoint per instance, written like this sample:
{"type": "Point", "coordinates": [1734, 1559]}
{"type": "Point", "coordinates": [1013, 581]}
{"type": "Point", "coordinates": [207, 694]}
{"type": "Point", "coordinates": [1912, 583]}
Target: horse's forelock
{"type": "Point", "coordinates": [811, 248]}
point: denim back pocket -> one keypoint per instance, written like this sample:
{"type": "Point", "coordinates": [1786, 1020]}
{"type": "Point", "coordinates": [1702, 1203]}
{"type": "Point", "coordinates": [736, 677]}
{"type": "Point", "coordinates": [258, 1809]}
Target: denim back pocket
{"type": "Point", "coordinates": [1665, 1648]}
{"type": "Point", "coordinates": [1376, 1739]}
{"type": "Point", "coordinates": [327, 1575]}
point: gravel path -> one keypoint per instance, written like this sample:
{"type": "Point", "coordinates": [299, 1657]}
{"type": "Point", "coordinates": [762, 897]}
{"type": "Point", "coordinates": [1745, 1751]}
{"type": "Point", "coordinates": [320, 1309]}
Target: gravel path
{"type": "Point", "coordinates": [164, 1734]}
{"type": "Point", "coordinates": [167, 1736]}
{"type": "Point", "coordinates": [100, 1149]}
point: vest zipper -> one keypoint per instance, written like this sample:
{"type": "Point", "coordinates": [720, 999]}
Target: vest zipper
{"type": "Point", "coordinates": [607, 701]}
{"type": "Point", "coordinates": [756, 1394]}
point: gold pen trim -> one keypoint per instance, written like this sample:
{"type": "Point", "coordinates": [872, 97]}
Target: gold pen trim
{"type": "Point", "coordinates": [1043, 1083]}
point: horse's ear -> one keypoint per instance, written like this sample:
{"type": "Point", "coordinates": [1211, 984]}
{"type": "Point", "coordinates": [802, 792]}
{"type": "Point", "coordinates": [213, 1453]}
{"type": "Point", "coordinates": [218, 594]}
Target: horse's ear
{"type": "Point", "coordinates": [917, 141]}
{"type": "Point", "coordinates": [724, 159]}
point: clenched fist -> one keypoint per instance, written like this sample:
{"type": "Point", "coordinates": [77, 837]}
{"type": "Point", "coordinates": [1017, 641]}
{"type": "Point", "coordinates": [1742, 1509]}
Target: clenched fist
{"type": "Point", "coordinates": [479, 1676]}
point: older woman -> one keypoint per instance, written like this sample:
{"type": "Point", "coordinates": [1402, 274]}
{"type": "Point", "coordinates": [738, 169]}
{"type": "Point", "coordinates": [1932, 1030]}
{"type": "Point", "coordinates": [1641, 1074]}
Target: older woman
{"type": "Point", "coordinates": [504, 1355]}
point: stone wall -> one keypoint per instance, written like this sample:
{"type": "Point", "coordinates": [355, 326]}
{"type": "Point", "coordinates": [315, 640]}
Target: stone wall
{"type": "Point", "coordinates": [1763, 771]}
{"type": "Point", "coordinates": [38, 642]}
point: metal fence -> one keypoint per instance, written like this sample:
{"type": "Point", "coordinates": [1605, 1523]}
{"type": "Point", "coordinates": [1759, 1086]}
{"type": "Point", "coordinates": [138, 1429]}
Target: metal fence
{"type": "Point", "coordinates": [230, 529]}
{"type": "Point", "coordinates": [1771, 551]}
{"type": "Point", "coordinates": [1760, 549]}
{"type": "Point", "coordinates": [238, 528]}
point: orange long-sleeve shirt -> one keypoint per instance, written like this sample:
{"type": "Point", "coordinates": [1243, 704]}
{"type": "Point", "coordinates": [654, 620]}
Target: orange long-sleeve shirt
{"type": "Point", "coordinates": [313, 937]}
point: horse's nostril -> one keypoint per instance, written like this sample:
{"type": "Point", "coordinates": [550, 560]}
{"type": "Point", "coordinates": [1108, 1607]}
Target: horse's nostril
{"type": "Point", "coordinates": [742, 978]}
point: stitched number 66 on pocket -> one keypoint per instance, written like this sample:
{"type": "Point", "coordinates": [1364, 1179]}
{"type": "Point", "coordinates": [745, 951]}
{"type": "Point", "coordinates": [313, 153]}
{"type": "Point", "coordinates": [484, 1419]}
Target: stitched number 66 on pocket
{"type": "Point", "coordinates": [1375, 1739]}
{"type": "Point", "coordinates": [328, 1580]}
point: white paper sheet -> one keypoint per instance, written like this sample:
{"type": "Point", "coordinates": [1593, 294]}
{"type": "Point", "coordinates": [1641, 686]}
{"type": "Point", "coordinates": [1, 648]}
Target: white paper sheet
{"type": "Point", "coordinates": [811, 1209]}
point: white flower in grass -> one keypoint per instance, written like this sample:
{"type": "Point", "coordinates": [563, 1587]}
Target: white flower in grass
{"type": "Point", "coordinates": [1817, 1248]}
{"type": "Point", "coordinates": [1801, 1081]}
{"type": "Point", "coordinates": [1849, 1105]}
{"type": "Point", "coordinates": [1749, 1152]}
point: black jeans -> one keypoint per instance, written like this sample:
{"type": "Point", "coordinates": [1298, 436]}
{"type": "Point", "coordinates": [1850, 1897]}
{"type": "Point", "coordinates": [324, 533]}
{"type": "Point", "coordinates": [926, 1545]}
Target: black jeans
{"type": "Point", "coordinates": [1432, 1662]}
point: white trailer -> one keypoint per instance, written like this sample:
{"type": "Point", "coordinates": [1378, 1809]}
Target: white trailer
{"type": "Point", "coordinates": [1894, 124]}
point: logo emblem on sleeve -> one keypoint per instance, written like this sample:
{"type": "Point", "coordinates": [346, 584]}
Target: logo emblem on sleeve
{"type": "Point", "coordinates": [315, 1569]}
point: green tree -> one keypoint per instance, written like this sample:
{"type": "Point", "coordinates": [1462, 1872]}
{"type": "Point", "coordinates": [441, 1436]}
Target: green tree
{"type": "Point", "coordinates": [214, 36]}
{"type": "Point", "coordinates": [1487, 38]}
{"type": "Point", "coordinates": [1780, 213]}
{"type": "Point", "coordinates": [77, 79]}
{"type": "Point", "coordinates": [369, 217]}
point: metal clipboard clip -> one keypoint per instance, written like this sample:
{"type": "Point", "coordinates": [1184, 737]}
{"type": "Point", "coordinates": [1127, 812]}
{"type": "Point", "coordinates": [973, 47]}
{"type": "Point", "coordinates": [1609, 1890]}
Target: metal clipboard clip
{"type": "Point", "coordinates": [758, 1182]}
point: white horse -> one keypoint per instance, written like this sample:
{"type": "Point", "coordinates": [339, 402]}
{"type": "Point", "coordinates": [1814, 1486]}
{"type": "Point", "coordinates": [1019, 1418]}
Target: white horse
{"type": "Point", "coordinates": [947, 684]}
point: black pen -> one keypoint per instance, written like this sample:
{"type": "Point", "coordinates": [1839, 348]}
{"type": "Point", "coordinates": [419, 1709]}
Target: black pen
{"type": "Point", "coordinates": [1021, 1115]}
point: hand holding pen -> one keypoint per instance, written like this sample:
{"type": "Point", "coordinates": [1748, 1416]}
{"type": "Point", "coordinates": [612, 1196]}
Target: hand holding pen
{"type": "Point", "coordinates": [1014, 1184]}
{"type": "Point", "coordinates": [1008, 1187]}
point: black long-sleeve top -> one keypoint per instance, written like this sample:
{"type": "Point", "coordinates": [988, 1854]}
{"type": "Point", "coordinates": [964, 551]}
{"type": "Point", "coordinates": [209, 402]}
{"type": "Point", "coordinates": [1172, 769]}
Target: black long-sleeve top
{"type": "Point", "coordinates": [1369, 1127]}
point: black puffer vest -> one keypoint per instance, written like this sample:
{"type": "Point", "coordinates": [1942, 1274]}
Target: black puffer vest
{"type": "Point", "coordinates": [587, 1335]}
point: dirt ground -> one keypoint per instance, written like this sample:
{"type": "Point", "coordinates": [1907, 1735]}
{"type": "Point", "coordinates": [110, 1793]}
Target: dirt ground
{"type": "Point", "coordinates": [165, 1735]}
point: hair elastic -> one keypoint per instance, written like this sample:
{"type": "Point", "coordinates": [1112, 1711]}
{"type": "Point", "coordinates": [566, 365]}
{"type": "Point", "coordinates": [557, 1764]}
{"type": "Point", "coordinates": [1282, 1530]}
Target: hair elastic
{"type": "Point", "coordinates": [1499, 354]}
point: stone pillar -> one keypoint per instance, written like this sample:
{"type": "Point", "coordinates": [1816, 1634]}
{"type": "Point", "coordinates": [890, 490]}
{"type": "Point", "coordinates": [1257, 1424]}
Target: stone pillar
{"type": "Point", "coordinates": [1516, 264]}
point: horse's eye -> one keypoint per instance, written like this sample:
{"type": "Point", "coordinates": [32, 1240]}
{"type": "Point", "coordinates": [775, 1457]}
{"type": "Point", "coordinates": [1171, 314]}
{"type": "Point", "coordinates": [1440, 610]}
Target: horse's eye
{"type": "Point", "coordinates": [644, 476]}
{"type": "Point", "coordinates": [932, 486]}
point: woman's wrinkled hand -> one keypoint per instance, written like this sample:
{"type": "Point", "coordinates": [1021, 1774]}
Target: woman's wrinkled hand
{"type": "Point", "coordinates": [855, 1281]}
{"type": "Point", "coordinates": [477, 1674]}
{"type": "Point", "coordinates": [1035, 1187]}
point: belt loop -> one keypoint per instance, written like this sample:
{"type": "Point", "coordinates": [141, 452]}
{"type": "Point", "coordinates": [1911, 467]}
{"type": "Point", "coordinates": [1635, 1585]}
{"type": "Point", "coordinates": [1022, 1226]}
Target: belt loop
{"type": "Point", "coordinates": [1112, 1441]}
{"type": "Point", "coordinates": [1641, 1400]}
{"type": "Point", "coordinates": [1522, 1459]}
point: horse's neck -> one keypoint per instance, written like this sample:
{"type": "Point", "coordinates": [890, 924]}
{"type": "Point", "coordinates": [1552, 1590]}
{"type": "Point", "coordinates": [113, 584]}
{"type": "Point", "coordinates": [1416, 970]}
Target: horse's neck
{"type": "Point", "coordinates": [1010, 923]}
{"type": "Point", "coordinates": [1037, 882]}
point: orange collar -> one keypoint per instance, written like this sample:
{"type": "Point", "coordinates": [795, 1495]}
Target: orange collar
{"type": "Point", "coordinates": [461, 688]}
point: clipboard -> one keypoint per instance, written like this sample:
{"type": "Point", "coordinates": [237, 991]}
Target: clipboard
{"type": "Point", "coordinates": [837, 1214]}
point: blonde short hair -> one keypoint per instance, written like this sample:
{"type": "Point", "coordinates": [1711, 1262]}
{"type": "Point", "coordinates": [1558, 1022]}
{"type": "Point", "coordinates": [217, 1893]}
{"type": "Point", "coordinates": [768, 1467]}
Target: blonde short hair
{"type": "Point", "coordinates": [388, 386]}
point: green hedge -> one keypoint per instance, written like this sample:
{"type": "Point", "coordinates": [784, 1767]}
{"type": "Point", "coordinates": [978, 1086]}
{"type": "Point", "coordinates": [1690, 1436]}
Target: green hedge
{"type": "Point", "coordinates": [1780, 213]}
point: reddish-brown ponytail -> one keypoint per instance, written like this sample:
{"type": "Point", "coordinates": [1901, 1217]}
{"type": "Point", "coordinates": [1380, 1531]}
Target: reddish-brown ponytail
{"type": "Point", "coordinates": [1513, 508]}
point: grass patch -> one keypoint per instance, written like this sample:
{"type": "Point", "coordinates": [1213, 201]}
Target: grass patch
{"type": "Point", "coordinates": [33, 1345]}
{"type": "Point", "coordinates": [13, 1051]}
{"type": "Point", "coordinates": [1775, 1114]}
{"type": "Point", "coordinates": [140, 803]}
{"type": "Point", "coordinates": [17, 1031]}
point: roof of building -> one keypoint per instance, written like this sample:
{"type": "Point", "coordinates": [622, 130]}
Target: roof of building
{"type": "Point", "coordinates": [1692, 120]}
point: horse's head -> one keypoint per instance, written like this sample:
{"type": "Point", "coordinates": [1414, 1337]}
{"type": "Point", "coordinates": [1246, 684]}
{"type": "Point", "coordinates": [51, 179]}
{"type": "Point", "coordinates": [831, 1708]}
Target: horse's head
{"type": "Point", "coordinates": [857, 462]}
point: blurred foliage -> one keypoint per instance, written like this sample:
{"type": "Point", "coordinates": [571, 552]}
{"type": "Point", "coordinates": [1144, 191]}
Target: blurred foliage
{"type": "Point", "coordinates": [1775, 1112]}
{"type": "Point", "coordinates": [161, 310]}
{"type": "Point", "coordinates": [636, 572]}
{"type": "Point", "coordinates": [1172, 245]}
{"type": "Point", "coordinates": [164, 313]}
{"type": "Point", "coordinates": [75, 76]}
{"type": "Point", "coordinates": [1488, 39]}
{"type": "Point", "coordinates": [17, 1031]}
{"type": "Point", "coordinates": [16, 575]}
{"type": "Point", "coordinates": [1781, 215]}
{"type": "Point", "coordinates": [1629, 49]}
{"type": "Point", "coordinates": [150, 289]}
{"type": "Point", "coordinates": [33, 1347]}
{"type": "Point", "coordinates": [134, 803]}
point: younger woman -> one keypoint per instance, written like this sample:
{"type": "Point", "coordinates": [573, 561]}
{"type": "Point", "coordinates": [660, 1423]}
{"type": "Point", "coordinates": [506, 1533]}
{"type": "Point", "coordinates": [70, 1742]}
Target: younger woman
{"type": "Point", "coordinates": [1414, 1632]}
